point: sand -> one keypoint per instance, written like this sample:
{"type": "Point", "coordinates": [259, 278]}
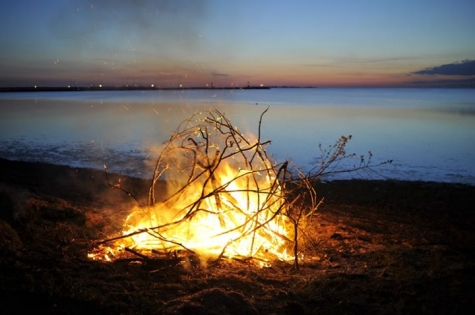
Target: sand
{"type": "Point", "coordinates": [382, 247]}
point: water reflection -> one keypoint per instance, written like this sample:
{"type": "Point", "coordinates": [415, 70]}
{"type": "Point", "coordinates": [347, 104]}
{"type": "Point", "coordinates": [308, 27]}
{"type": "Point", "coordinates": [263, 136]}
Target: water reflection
{"type": "Point", "coordinates": [426, 142]}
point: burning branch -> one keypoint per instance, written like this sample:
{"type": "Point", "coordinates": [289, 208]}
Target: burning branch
{"type": "Point", "coordinates": [226, 197]}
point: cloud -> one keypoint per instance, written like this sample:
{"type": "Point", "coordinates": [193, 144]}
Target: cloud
{"type": "Point", "coordinates": [467, 83]}
{"type": "Point", "coordinates": [465, 68]}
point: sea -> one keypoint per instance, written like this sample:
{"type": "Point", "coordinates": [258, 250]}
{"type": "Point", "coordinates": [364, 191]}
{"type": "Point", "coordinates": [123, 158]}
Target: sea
{"type": "Point", "coordinates": [415, 134]}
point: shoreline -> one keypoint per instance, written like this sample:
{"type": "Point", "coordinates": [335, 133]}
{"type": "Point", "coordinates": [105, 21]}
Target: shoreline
{"type": "Point", "coordinates": [92, 186]}
{"type": "Point", "coordinates": [12, 164]}
{"type": "Point", "coordinates": [121, 88]}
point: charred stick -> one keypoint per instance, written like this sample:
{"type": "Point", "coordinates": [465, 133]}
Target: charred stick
{"type": "Point", "coordinates": [136, 253]}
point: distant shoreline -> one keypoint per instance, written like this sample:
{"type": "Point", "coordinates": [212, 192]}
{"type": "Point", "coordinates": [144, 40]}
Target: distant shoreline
{"type": "Point", "coordinates": [121, 88]}
{"type": "Point", "coordinates": [159, 88]}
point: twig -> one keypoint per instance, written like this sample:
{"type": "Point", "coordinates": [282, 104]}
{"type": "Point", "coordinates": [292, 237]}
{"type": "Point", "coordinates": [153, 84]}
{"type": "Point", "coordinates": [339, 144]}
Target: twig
{"type": "Point", "coordinates": [119, 186]}
{"type": "Point", "coordinates": [136, 253]}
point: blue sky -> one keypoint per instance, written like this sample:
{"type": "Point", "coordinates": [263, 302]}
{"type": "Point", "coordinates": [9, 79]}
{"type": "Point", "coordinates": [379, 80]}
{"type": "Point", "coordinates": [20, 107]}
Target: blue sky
{"type": "Point", "coordinates": [167, 43]}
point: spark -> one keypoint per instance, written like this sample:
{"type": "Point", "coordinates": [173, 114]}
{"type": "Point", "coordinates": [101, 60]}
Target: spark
{"type": "Point", "coordinates": [90, 4]}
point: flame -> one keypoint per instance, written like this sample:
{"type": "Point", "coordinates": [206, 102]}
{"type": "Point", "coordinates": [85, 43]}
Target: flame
{"type": "Point", "coordinates": [242, 216]}
{"type": "Point", "coordinates": [219, 205]}
{"type": "Point", "coordinates": [241, 219]}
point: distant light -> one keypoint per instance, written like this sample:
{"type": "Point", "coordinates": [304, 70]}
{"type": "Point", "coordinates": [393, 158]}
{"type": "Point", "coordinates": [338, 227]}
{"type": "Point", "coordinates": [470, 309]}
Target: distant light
{"type": "Point", "coordinates": [100, 85]}
{"type": "Point", "coordinates": [262, 85]}
{"type": "Point", "coordinates": [69, 86]}
{"type": "Point", "coordinates": [35, 86]}
{"type": "Point", "coordinates": [181, 85]}
{"type": "Point", "coordinates": [152, 85]}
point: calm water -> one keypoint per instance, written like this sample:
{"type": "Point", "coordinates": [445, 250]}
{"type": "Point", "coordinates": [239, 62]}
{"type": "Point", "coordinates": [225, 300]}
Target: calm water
{"type": "Point", "coordinates": [428, 133]}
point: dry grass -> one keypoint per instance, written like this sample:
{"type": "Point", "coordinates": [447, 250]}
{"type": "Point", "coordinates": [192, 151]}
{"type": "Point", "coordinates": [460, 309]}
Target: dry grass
{"type": "Point", "coordinates": [383, 248]}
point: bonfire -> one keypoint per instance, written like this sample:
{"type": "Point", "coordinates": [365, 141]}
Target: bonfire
{"type": "Point", "coordinates": [225, 198]}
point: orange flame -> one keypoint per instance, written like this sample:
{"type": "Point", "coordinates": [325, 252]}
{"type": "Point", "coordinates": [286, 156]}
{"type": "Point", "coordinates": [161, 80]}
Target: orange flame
{"type": "Point", "coordinates": [221, 205]}
{"type": "Point", "coordinates": [240, 218]}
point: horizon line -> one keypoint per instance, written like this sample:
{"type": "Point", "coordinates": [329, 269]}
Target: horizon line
{"type": "Point", "coordinates": [99, 87]}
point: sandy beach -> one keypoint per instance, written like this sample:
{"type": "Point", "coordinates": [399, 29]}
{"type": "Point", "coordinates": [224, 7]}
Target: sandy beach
{"type": "Point", "coordinates": [384, 247]}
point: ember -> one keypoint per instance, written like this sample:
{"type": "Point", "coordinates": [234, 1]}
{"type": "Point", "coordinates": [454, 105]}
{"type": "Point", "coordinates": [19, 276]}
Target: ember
{"type": "Point", "coordinates": [225, 198]}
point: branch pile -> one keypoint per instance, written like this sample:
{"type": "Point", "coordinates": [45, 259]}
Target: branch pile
{"type": "Point", "coordinates": [225, 198]}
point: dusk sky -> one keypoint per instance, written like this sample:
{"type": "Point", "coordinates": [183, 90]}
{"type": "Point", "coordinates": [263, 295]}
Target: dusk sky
{"type": "Point", "coordinates": [196, 42]}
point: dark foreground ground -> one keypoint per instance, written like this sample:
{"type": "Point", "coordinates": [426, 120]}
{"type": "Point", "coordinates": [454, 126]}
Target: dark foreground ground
{"type": "Point", "coordinates": [384, 247]}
